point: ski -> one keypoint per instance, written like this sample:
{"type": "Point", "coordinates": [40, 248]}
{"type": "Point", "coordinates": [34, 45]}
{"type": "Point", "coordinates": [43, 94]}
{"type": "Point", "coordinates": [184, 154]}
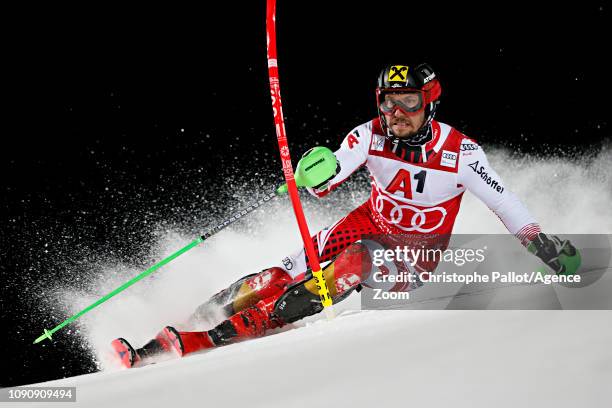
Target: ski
{"type": "Point", "coordinates": [125, 352]}
{"type": "Point", "coordinates": [167, 343]}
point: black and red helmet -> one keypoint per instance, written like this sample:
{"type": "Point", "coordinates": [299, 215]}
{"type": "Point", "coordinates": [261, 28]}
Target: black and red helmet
{"type": "Point", "coordinates": [423, 85]}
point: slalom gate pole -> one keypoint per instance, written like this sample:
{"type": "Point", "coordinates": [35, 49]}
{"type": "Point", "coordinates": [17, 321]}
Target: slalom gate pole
{"type": "Point", "coordinates": [283, 147]}
{"type": "Point", "coordinates": [233, 218]}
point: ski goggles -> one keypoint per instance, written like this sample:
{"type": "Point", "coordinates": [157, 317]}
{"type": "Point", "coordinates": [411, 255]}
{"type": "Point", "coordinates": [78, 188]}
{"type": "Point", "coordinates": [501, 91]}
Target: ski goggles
{"type": "Point", "coordinates": [409, 102]}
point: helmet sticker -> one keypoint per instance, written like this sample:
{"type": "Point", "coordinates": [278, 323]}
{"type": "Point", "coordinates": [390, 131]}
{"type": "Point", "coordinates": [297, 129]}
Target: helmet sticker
{"type": "Point", "coordinates": [398, 73]}
{"type": "Point", "coordinates": [429, 78]}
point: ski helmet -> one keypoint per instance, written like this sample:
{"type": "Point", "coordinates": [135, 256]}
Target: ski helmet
{"type": "Point", "coordinates": [420, 81]}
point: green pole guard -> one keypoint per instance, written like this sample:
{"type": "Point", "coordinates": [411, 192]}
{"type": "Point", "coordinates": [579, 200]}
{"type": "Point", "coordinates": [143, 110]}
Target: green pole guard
{"type": "Point", "coordinates": [318, 165]}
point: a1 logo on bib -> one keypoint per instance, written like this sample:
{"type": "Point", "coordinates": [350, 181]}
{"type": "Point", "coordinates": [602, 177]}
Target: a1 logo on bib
{"type": "Point", "coordinates": [449, 159]}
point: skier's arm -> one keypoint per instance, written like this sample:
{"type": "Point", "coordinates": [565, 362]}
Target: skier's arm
{"type": "Point", "coordinates": [477, 175]}
{"type": "Point", "coordinates": [352, 154]}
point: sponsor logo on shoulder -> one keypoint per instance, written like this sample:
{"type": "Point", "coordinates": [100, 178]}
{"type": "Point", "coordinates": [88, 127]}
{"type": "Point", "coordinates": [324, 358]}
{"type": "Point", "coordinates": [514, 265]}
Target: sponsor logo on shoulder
{"type": "Point", "coordinates": [485, 176]}
{"type": "Point", "coordinates": [468, 146]}
{"type": "Point", "coordinates": [378, 143]}
{"type": "Point", "coordinates": [353, 138]}
{"type": "Point", "coordinates": [449, 159]}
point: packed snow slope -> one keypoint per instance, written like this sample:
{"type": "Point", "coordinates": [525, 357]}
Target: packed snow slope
{"type": "Point", "coordinates": [362, 358]}
{"type": "Point", "coordinates": [385, 358]}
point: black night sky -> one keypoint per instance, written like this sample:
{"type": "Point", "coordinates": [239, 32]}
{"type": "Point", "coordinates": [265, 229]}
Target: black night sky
{"type": "Point", "coordinates": [112, 111]}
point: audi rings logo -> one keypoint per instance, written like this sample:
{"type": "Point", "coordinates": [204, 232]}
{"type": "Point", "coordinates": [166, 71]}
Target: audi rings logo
{"type": "Point", "coordinates": [399, 211]}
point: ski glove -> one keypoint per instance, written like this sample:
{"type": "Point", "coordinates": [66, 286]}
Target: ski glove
{"type": "Point", "coordinates": [560, 255]}
{"type": "Point", "coordinates": [316, 167]}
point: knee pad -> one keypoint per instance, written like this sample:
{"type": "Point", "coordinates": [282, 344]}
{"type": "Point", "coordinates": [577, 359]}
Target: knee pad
{"type": "Point", "coordinates": [243, 293]}
{"type": "Point", "coordinates": [270, 282]}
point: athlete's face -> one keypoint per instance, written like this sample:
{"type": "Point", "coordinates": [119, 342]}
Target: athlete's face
{"type": "Point", "coordinates": [401, 124]}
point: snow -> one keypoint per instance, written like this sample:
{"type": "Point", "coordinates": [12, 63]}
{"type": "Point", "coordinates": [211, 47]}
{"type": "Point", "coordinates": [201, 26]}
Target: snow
{"type": "Point", "coordinates": [369, 358]}
{"type": "Point", "coordinates": [364, 358]}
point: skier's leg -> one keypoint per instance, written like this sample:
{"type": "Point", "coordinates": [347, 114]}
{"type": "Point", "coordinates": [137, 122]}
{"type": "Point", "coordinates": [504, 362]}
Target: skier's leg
{"type": "Point", "coordinates": [243, 293]}
{"type": "Point", "coordinates": [256, 294]}
{"type": "Point", "coordinates": [343, 275]}
{"type": "Point", "coordinates": [333, 240]}
{"type": "Point", "coordinates": [250, 322]}
{"type": "Point", "coordinates": [299, 300]}
{"type": "Point", "coordinates": [250, 289]}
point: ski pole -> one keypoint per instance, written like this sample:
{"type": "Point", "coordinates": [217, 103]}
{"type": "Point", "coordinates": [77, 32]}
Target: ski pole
{"type": "Point", "coordinates": [283, 147]}
{"type": "Point", "coordinates": [233, 218]}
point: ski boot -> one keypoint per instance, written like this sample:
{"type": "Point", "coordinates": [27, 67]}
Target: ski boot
{"type": "Point", "coordinates": [131, 357]}
{"type": "Point", "coordinates": [250, 322]}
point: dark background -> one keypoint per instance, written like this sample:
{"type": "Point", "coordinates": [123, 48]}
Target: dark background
{"type": "Point", "coordinates": [118, 120]}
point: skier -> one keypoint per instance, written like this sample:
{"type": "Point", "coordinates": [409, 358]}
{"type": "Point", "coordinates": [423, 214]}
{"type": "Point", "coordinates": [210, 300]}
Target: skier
{"type": "Point", "coordinates": [419, 169]}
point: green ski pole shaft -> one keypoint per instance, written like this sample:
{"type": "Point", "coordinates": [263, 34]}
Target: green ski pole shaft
{"type": "Point", "coordinates": [235, 217]}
